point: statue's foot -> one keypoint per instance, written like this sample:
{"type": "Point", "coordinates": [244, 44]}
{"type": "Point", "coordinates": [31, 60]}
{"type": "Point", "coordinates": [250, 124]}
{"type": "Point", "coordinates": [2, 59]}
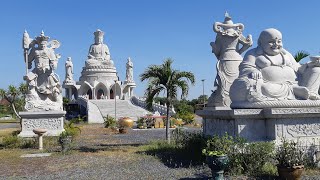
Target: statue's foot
{"type": "Point", "coordinates": [314, 96]}
{"type": "Point", "coordinates": [301, 92]}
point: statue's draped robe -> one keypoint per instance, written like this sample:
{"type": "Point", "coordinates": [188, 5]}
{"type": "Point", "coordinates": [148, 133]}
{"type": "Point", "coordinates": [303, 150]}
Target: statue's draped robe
{"type": "Point", "coordinates": [44, 60]}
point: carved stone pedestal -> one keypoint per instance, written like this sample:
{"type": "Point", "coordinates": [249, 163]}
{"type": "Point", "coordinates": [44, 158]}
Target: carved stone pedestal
{"type": "Point", "coordinates": [268, 124]}
{"type": "Point", "coordinates": [50, 120]}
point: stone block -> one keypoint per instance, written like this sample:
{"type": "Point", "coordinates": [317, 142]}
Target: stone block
{"type": "Point", "coordinates": [268, 124]}
{"type": "Point", "coordinates": [50, 120]}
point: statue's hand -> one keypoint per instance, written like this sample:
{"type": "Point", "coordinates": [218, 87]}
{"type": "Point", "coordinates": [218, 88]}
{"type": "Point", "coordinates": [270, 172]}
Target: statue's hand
{"type": "Point", "coordinates": [256, 75]}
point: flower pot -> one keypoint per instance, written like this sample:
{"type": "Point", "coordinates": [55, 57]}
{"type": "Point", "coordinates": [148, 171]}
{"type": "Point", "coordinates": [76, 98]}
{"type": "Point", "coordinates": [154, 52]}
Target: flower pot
{"type": "Point", "coordinates": [217, 164]}
{"type": "Point", "coordinates": [292, 173]}
{"type": "Point", "coordinates": [65, 143]}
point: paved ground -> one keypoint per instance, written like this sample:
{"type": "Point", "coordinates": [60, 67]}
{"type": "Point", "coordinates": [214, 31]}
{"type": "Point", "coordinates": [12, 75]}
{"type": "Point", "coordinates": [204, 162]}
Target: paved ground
{"type": "Point", "coordinates": [9, 125]}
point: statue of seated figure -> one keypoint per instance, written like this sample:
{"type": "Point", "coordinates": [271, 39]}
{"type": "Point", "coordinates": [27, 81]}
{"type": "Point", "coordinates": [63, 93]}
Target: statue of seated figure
{"type": "Point", "coordinates": [99, 53]}
{"type": "Point", "coordinates": [270, 73]}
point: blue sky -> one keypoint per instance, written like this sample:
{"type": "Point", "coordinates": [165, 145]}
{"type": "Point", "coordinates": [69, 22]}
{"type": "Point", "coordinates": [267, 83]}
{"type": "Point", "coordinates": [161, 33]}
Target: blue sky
{"type": "Point", "coordinates": [149, 31]}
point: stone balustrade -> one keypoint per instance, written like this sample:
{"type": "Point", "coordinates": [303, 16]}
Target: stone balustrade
{"type": "Point", "coordinates": [162, 109]}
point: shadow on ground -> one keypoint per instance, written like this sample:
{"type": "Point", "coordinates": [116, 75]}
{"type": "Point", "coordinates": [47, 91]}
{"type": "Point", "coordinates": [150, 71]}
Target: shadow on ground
{"type": "Point", "coordinates": [106, 147]}
{"type": "Point", "coordinates": [176, 157]}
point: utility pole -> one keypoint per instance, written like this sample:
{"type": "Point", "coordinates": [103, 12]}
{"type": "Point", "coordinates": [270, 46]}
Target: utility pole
{"type": "Point", "coordinates": [203, 92]}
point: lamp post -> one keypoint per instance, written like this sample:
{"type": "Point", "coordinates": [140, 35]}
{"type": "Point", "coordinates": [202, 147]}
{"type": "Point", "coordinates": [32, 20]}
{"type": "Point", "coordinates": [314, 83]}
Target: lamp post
{"type": "Point", "coordinates": [203, 92]}
{"type": "Point", "coordinates": [115, 99]}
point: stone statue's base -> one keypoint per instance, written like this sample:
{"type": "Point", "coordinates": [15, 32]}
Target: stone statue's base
{"type": "Point", "coordinates": [268, 124]}
{"type": "Point", "coordinates": [277, 104]}
{"type": "Point", "coordinates": [50, 120]}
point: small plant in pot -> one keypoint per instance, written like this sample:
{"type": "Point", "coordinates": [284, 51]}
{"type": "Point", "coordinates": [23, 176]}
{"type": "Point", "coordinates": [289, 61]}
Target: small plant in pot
{"type": "Point", "coordinates": [216, 154]}
{"type": "Point", "coordinates": [66, 137]}
{"type": "Point", "coordinates": [141, 123]}
{"type": "Point", "coordinates": [290, 160]}
{"type": "Point", "coordinates": [110, 122]}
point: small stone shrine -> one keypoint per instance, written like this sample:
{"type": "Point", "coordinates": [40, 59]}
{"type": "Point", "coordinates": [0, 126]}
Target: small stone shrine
{"type": "Point", "coordinates": [43, 108]}
{"type": "Point", "coordinates": [272, 96]}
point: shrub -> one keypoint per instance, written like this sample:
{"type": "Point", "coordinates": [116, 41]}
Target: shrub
{"type": "Point", "coordinates": [255, 156]}
{"type": "Point", "coordinates": [13, 141]}
{"type": "Point", "coordinates": [70, 130]}
{"type": "Point", "coordinates": [184, 151]}
{"type": "Point", "coordinates": [141, 122]}
{"type": "Point", "coordinates": [244, 158]}
{"type": "Point", "coordinates": [289, 155]}
{"type": "Point", "coordinates": [187, 117]}
{"type": "Point", "coordinates": [109, 122]}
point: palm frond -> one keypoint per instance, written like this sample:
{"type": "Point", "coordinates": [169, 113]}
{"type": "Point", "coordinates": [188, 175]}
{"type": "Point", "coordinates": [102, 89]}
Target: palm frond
{"type": "Point", "coordinates": [187, 75]}
{"type": "Point", "coordinates": [300, 55]}
{"type": "Point", "coordinates": [152, 91]}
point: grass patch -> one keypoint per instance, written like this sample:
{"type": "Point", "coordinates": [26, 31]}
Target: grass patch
{"type": "Point", "coordinates": [8, 131]}
{"type": "Point", "coordinates": [9, 121]}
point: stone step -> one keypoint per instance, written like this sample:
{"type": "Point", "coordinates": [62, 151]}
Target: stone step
{"type": "Point", "coordinates": [124, 108]}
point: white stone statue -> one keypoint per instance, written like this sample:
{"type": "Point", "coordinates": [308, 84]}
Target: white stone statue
{"type": "Point", "coordinates": [311, 77]}
{"type": "Point", "coordinates": [99, 53]}
{"type": "Point", "coordinates": [129, 71]}
{"type": "Point", "coordinates": [44, 92]}
{"type": "Point", "coordinates": [69, 70]}
{"type": "Point", "coordinates": [270, 73]}
{"type": "Point", "coordinates": [229, 44]}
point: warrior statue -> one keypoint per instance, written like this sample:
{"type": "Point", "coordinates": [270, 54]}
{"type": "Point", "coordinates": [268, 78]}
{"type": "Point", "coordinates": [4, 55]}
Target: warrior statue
{"type": "Point", "coordinates": [229, 44]}
{"type": "Point", "coordinates": [44, 89]}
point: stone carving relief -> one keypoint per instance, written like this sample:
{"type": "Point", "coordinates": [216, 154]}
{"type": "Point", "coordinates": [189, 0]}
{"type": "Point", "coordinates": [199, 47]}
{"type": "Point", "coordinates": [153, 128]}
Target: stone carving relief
{"type": "Point", "coordinates": [295, 110]}
{"type": "Point", "coordinates": [297, 130]}
{"type": "Point", "coordinates": [48, 123]}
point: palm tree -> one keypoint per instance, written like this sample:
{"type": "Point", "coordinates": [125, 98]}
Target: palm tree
{"type": "Point", "coordinates": [11, 95]}
{"type": "Point", "coordinates": [300, 55]}
{"type": "Point", "coordinates": [164, 78]}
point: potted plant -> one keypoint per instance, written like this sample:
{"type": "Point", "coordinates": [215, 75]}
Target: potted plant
{"type": "Point", "coordinates": [66, 137]}
{"type": "Point", "coordinates": [110, 122]}
{"type": "Point", "coordinates": [290, 160]}
{"type": "Point", "coordinates": [216, 155]}
{"type": "Point", "coordinates": [141, 123]}
{"type": "Point", "coordinates": [124, 124]}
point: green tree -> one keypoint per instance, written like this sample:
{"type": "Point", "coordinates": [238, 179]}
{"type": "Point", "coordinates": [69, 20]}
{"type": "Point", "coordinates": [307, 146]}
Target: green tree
{"type": "Point", "coordinates": [300, 55]}
{"type": "Point", "coordinates": [184, 111]}
{"type": "Point", "coordinates": [16, 98]}
{"type": "Point", "coordinates": [164, 78]}
{"type": "Point", "coordinates": [12, 96]}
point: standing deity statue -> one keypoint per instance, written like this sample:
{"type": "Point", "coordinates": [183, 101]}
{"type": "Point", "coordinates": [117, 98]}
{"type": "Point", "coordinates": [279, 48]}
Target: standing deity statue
{"type": "Point", "coordinates": [227, 49]}
{"type": "Point", "coordinates": [69, 70]}
{"type": "Point", "coordinates": [99, 53]}
{"type": "Point", "coordinates": [44, 89]}
{"type": "Point", "coordinates": [129, 71]}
